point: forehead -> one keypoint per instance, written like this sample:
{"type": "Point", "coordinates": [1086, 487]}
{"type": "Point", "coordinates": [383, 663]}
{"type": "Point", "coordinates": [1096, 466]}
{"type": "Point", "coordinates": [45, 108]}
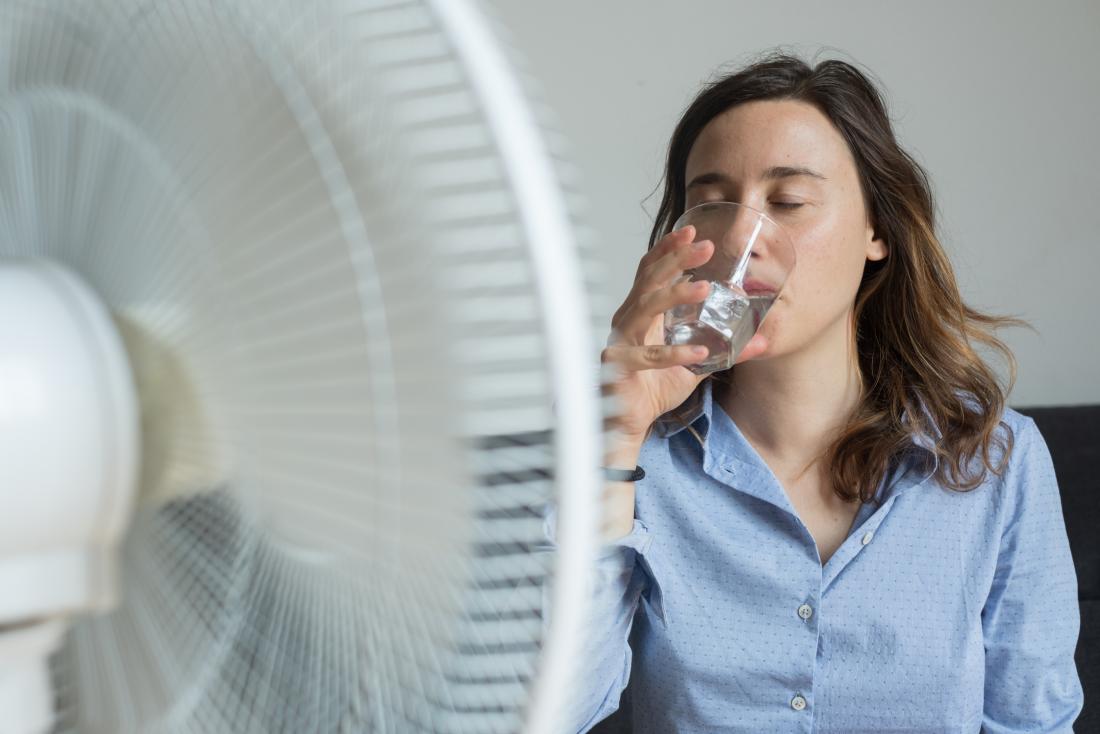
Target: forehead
{"type": "Point", "coordinates": [747, 139]}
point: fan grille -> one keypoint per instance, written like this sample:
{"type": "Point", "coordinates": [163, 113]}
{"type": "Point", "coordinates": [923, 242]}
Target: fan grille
{"type": "Point", "coordinates": [302, 223]}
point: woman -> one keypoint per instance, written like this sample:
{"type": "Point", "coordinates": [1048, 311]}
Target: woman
{"type": "Point", "coordinates": [848, 531]}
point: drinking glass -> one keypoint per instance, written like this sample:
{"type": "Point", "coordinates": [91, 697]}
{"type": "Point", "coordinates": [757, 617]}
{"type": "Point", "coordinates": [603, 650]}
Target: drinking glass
{"type": "Point", "coordinates": [752, 259]}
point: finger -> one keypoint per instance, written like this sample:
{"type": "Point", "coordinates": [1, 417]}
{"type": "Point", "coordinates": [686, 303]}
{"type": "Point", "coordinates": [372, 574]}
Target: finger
{"type": "Point", "coordinates": [639, 313]}
{"type": "Point", "coordinates": [657, 302]}
{"type": "Point", "coordinates": [643, 281]}
{"type": "Point", "coordinates": [675, 239]}
{"type": "Point", "coordinates": [653, 356]}
{"type": "Point", "coordinates": [670, 267]}
{"type": "Point", "coordinates": [756, 346]}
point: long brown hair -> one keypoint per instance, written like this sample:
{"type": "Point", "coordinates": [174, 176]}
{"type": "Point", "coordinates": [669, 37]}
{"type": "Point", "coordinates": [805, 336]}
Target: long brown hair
{"type": "Point", "coordinates": [914, 333]}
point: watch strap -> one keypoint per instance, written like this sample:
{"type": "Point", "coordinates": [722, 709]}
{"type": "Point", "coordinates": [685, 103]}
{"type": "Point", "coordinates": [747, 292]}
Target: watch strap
{"type": "Point", "coordinates": [623, 475]}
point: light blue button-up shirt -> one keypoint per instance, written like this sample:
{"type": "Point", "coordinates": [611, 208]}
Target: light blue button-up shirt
{"type": "Point", "coordinates": [942, 611]}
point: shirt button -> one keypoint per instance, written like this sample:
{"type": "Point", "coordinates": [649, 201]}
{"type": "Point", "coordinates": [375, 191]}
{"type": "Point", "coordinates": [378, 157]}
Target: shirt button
{"type": "Point", "coordinates": [805, 611]}
{"type": "Point", "coordinates": [798, 703]}
{"type": "Point", "coordinates": [867, 537]}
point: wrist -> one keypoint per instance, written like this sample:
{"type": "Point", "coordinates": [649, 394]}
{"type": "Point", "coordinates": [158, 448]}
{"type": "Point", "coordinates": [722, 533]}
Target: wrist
{"type": "Point", "coordinates": [622, 451]}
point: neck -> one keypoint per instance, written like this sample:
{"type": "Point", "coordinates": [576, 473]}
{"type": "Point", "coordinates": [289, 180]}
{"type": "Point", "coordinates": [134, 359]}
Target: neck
{"type": "Point", "coordinates": [790, 408]}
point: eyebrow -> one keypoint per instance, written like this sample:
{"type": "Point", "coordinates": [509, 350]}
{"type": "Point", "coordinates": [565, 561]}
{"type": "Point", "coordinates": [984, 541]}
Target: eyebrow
{"type": "Point", "coordinates": [772, 174]}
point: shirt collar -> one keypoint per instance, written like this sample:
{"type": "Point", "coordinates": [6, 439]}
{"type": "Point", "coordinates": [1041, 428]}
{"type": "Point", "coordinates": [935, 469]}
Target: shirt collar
{"type": "Point", "coordinates": [700, 406]}
{"type": "Point", "coordinates": [696, 412]}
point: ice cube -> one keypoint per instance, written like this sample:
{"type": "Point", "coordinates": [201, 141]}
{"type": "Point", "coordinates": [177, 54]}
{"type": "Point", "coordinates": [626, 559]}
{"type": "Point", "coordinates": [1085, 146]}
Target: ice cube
{"type": "Point", "coordinates": [724, 307]}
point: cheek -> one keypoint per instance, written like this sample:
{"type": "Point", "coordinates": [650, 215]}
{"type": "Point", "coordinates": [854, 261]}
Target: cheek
{"type": "Point", "coordinates": [829, 262]}
{"type": "Point", "coordinates": [823, 284]}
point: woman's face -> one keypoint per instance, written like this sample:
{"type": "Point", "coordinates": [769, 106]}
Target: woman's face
{"type": "Point", "coordinates": [786, 159]}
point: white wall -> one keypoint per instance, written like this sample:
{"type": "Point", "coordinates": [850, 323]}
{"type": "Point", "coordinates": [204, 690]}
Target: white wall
{"type": "Point", "coordinates": [996, 99]}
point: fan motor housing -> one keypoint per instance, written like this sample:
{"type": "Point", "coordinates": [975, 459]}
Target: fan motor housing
{"type": "Point", "coordinates": [69, 432]}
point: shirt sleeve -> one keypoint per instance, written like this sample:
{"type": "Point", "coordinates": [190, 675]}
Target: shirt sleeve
{"type": "Point", "coordinates": [623, 578]}
{"type": "Point", "coordinates": [1031, 617]}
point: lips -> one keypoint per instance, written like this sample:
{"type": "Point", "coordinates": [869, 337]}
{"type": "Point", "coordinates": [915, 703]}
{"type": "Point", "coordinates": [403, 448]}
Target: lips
{"type": "Point", "coordinates": [755, 287]}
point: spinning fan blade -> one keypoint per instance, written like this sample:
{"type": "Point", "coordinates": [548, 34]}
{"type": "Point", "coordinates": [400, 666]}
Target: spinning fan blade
{"type": "Point", "coordinates": [342, 261]}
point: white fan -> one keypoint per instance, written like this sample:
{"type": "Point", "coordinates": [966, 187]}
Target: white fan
{"type": "Point", "coordinates": [292, 302]}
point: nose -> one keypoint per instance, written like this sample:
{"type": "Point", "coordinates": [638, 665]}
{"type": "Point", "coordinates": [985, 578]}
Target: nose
{"type": "Point", "coordinates": [749, 230]}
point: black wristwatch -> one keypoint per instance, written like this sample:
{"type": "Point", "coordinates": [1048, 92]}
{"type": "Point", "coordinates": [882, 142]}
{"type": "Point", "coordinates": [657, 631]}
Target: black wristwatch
{"type": "Point", "coordinates": [623, 475]}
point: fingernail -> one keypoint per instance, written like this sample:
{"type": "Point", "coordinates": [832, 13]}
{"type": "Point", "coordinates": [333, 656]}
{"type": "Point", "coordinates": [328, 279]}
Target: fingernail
{"type": "Point", "coordinates": [699, 245]}
{"type": "Point", "coordinates": [699, 350]}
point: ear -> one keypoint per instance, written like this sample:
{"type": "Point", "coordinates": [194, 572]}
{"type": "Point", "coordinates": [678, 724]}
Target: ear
{"type": "Point", "coordinates": [876, 246]}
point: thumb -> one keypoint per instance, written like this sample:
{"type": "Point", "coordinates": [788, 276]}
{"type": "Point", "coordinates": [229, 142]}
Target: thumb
{"type": "Point", "coordinates": [756, 346]}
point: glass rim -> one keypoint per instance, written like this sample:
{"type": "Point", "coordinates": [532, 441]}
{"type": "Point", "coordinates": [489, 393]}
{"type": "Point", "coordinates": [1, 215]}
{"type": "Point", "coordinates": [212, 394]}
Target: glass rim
{"type": "Point", "coordinates": [779, 232]}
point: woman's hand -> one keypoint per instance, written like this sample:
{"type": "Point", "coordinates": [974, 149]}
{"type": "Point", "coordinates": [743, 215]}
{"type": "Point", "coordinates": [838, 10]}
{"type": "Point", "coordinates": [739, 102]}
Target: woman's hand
{"type": "Point", "coordinates": [652, 376]}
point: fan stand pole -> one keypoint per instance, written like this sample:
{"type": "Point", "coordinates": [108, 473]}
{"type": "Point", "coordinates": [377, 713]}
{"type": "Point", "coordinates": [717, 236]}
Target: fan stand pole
{"type": "Point", "coordinates": [26, 697]}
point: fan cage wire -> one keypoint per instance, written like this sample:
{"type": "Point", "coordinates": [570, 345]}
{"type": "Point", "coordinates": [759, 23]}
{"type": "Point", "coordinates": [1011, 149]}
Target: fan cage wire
{"type": "Point", "coordinates": [509, 462]}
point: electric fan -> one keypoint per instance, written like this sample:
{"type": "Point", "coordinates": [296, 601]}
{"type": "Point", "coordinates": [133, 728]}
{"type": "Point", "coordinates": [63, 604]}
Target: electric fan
{"type": "Point", "coordinates": [296, 354]}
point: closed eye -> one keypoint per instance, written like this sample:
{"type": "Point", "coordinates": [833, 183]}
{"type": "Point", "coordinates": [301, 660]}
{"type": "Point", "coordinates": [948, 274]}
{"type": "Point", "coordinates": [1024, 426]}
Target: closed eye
{"type": "Point", "coordinates": [787, 204]}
